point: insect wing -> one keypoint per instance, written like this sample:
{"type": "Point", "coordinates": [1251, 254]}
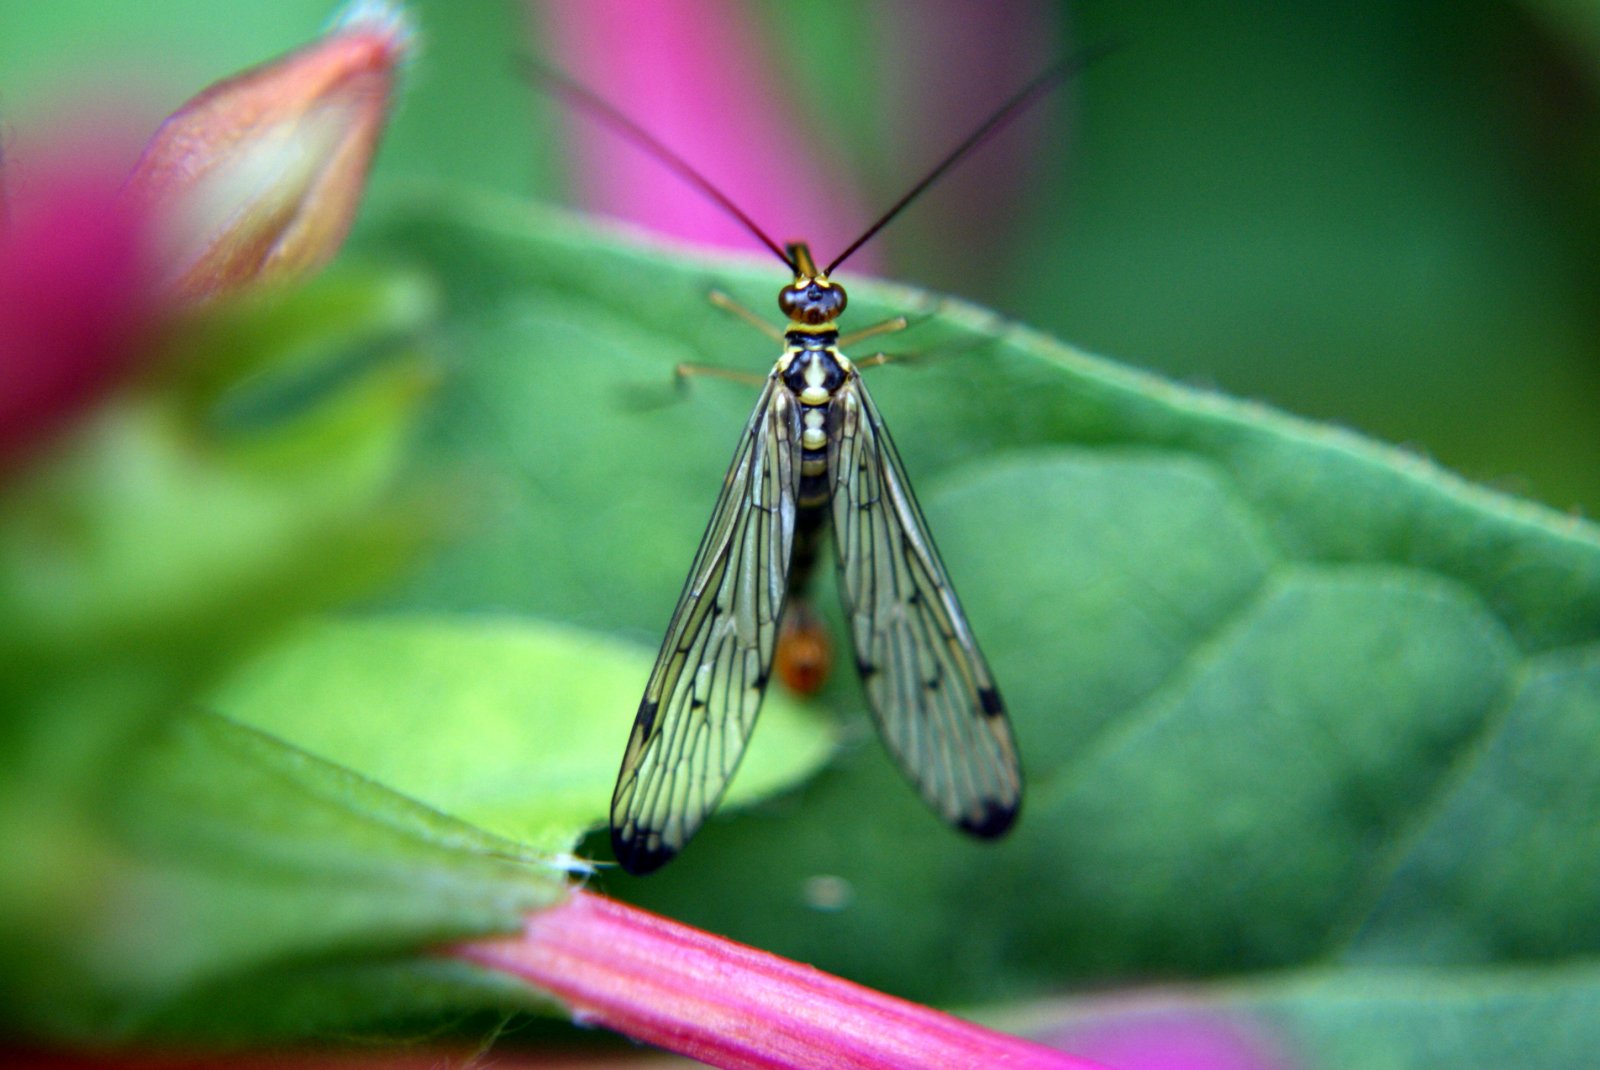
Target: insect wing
{"type": "Point", "coordinates": [705, 691]}
{"type": "Point", "coordinates": [930, 689]}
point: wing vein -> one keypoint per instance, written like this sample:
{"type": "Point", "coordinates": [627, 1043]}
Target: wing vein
{"type": "Point", "coordinates": [705, 691]}
{"type": "Point", "coordinates": [927, 682]}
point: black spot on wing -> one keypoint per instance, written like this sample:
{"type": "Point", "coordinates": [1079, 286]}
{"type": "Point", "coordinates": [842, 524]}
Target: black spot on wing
{"type": "Point", "coordinates": [646, 718]}
{"type": "Point", "coordinates": [681, 755]}
{"type": "Point", "coordinates": [989, 700]}
{"type": "Point", "coordinates": [637, 854]}
{"type": "Point", "coordinates": [993, 821]}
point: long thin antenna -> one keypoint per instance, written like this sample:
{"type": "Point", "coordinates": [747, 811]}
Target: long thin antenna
{"type": "Point", "coordinates": [1003, 115]}
{"type": "Point", "coordinates": [602, 109]}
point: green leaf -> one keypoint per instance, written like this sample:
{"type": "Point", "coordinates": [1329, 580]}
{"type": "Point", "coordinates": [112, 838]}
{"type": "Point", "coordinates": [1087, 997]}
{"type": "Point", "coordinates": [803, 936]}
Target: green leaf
{"type": "Point", "coordinates": [250, 476]}
{"type": "Point", "coordinates": [234, 878]}
{"type": "Point", "coordinates": [159, 538]}
{"type": "Point", "coordinates": [515, 726]}
{"type": "Point", "coordinates": [1274, 684]}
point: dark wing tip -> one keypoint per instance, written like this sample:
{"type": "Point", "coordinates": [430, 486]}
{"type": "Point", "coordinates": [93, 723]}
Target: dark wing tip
{"type": "Point", "coordinates": [636, 855]}
{"type": "Point", "coordinates": [993, 821]}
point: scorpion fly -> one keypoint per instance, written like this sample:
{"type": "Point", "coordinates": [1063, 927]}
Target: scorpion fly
{"type": "Point", "coordinates": [814, 457]}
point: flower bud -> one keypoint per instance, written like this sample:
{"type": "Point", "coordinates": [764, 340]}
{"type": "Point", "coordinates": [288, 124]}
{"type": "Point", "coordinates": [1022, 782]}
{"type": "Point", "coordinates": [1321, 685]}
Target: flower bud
{"type": "Point", "coordinates": [258, 177]}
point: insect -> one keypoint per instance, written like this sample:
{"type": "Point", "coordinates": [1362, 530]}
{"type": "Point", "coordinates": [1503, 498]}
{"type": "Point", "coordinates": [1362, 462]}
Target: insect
{"type": "Point", "coordinates": [814, 457]}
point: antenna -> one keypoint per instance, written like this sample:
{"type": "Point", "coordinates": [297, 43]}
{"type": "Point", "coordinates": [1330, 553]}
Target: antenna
{"type": "Point", "coordinates": [1002, 116]}
{"type": "Point", "coordinates": [586, 98]}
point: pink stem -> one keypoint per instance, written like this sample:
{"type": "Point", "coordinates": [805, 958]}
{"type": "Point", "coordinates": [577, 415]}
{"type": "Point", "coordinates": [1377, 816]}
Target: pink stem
{"type": "Point", "coordinates": [732, 1006]}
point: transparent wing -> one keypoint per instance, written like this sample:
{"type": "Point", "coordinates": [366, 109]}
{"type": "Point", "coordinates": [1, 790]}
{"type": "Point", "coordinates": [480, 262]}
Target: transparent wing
{"type": "Point", "coordinates": [704, 694]}
{"type": "Point", "coordinates": [935, 703]}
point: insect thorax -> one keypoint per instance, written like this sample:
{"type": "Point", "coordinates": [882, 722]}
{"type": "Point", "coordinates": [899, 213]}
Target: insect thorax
{"type": "Point", "coordinates": [812, 367]}
{"type": "Point", "coordinates": [813, 370]}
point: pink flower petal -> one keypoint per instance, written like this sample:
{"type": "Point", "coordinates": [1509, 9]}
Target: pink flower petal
{"type": "Point", "coordinates": [77, 299]}
{"type": "Point", "coordinates": [1169, 1030]}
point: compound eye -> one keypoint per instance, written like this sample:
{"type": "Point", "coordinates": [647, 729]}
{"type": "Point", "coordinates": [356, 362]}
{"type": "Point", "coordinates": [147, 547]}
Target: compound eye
{"type": "Point", "coordinates": [812, 303]}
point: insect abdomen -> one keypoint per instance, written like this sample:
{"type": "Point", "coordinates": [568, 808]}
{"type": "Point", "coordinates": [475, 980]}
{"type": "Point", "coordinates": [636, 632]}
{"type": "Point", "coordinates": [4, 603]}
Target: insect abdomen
{"type": "Point", "coordinates": [812, 376]}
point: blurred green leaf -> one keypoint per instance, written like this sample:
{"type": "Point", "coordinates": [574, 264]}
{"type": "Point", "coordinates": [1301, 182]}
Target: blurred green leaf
{"type": "Point", "coordinates": [515, 726]}
{"type": "Point", "coordinates": [154, 543]}
{"type": "Point", "coordinates": [243, 888]}
{"type": "Point", "coordinates": [1273, 683]}
{"type": "Point", "coordinates": [252, 476]}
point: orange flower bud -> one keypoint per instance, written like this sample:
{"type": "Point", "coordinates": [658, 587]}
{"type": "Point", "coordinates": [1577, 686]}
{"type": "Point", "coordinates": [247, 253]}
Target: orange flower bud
{"type": "Point", "coordinates": [258, 177]}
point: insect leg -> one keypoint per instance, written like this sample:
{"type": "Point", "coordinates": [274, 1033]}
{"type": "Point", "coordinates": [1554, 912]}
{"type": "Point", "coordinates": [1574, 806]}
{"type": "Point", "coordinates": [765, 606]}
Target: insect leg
{"type": "Point", "coordinates": [899, 323]}
{"type": "Point", "coordinates": [681, 373]}
{"type": "Point", "coordinates": [734, 308]}
{"type": "Point", "coordinates": [939, 352]}
{"type": "Point", "coordinates": [878, 359]}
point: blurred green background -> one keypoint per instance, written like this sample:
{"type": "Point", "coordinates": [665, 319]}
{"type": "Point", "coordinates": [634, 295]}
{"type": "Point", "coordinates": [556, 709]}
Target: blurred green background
{"type": "Point", "coordinates": [1380, 214]}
